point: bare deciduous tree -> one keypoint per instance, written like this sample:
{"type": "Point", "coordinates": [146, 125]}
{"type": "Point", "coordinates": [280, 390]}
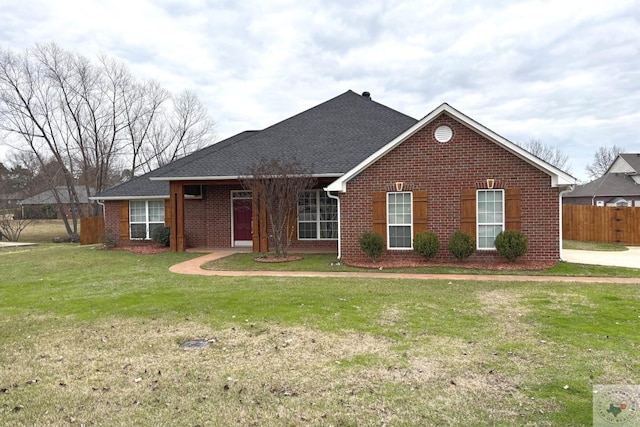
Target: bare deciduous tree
{"type": "Point", "coordinates": [552, 155]}
{"type": "Point", "coordinates": [277, 185]}
{"type": "Point", "coordinates": [183, 129]}
{"type": "Point", "coordinates": [603, 158]}
{"type": "Point", "coordinates": [11, 228]}
{"type": "Point", "coordinates": [93, 118]}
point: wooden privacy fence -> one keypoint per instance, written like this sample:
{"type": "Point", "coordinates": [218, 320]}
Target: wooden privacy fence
{"type": "Point", "coordinates": [91, 230]}
{"type": "Point", "coordinates": [601, 224]}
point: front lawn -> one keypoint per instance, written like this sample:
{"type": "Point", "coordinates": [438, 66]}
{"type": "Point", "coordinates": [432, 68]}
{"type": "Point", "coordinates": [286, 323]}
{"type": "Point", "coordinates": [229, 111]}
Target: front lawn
{"type": "Point", "coordinates": [593, 246]}
{"type": "Point", "coordinates": [328, 263]}
{"type": "Point", "coordinates": [93, 337]}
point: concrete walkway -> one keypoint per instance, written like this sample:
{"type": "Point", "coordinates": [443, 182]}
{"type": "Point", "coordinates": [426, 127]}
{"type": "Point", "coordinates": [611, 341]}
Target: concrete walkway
{"type": "Point", "coordinates": [14, 244]}
{"type": "Point", "coordinates": [630, 258]}
{"type": "Point", "coordinates": [193, 266]}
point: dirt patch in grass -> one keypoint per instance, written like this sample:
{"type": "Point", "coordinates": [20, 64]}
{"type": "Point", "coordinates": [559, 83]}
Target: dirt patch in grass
{"type": "Point", "coordinates": [251, 374]}
{"type": "Point", "coordinates": [507, 312]}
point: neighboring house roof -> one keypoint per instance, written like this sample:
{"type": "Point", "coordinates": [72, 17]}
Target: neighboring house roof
{"type": "Point", "coordinates": [142, 187]}
{"type": "Point", "coordinates": [628, 163]}
{"type": "Point", "coordinates": [48, 197]}
{"type": "Point", "coordinates": [558, 177]}
{"type": "Point", "coordinates": [12, 196]}
{"type": "Point", "coordinates": [621, 179]}
{"type": "Point", "coordinates": [329, 138]}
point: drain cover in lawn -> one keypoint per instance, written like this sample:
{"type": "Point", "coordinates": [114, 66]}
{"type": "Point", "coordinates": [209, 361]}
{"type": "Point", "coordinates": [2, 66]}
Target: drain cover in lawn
{"type": "Point", "coordinates": [196, 343]}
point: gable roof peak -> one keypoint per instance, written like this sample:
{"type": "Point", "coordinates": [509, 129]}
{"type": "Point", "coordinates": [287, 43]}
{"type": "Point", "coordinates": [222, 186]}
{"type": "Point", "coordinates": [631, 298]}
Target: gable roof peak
{"type": "Point", "coordinates": [559, 178]}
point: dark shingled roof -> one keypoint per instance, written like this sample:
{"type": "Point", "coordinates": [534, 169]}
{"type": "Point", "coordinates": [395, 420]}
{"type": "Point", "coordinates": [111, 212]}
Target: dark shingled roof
{"type": "Point", "coordinates": [331, 138]}
{"type": "Point", "coordinates": [143, 186]}
{"type": "Point", "coordinates": [612, 184]}
{"type": "Point", "coordinates": [48, 197]}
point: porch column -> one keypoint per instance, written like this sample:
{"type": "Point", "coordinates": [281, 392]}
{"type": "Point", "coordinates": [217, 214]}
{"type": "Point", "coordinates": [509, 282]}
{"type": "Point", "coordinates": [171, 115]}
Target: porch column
{"type": "Point", "coordinates": [176, 204]}
{"type": "Point", "coordinates": [259, 225]}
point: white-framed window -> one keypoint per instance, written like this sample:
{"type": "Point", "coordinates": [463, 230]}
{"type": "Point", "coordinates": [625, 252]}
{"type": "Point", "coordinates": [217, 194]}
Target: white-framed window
{"type": "Point", "coordinates": [400, 220]}
{"type": "Point", "coordinates": [144, 217]}
{"type": "Point", "coordinates": [490, 219]}
{"type": "Point", "coordinates": [317, 216]}
{"type": "Point", "coordinates": [619, 202]}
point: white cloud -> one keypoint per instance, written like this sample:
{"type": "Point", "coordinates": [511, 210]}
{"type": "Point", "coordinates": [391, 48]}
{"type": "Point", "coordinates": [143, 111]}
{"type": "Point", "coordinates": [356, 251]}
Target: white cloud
{"type": "Point", "coordinates": [565, 73]}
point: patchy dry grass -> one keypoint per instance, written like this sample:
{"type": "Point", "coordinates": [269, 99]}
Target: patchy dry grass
{"type": "Point", "coordinates": [44, 230]}
{"type": "Point", "coordinates": [93, 337]}
{"type": "Point", "coordinates": [593, 246]}
{"type": "Point", "coordinates": [113, 372]}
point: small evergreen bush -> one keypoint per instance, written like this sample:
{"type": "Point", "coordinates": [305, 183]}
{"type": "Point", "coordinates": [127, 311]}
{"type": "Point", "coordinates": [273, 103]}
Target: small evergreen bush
{"type": "Point", "coordinates": [372, 244]}
{"type": "Point", "coordinates": [461, 245]}
{"type": "Point", "coordinates": [511, 244]}
{"type": "Point", "coordinates": [110, 239]}
{"type": "Point", "coordinates": [161, 235]}
{"type": "Point", "coordinates": [426, 244]}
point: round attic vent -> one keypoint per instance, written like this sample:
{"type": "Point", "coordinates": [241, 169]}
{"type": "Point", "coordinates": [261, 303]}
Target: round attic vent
{"type": "Point", "coordinates": [443, 134]}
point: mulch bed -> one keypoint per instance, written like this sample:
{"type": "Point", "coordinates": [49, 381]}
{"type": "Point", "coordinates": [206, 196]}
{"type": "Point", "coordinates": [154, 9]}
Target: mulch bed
{"type": "Point", "coordinates": [145, 248]}
{"type": "Point", "coordinates": [278, 259]}
{"type": "Point", "coordinates": [480, 265]}
{"type": "Point", "coordinates": [157, 248]}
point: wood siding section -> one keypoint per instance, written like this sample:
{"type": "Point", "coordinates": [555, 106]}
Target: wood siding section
{"type": "Point", "coordinates": [419, 211]}
{"type": "Point", "coordinates": [124, 220]}
{"type": "Point", "coordinates": [601, 224]}
{"type": "Point", "coordinates": [380, 214]}
{"type": "Point", "coordinates": [468, 211]}
{"type": "Point", "coordinates": [91, 230]}
{"type": "Point", "coordinates": [176, 213]}
{"type": "Point", "coordinates": [513, 210]}
{"type": "Point", "coordinates": [167, 213]}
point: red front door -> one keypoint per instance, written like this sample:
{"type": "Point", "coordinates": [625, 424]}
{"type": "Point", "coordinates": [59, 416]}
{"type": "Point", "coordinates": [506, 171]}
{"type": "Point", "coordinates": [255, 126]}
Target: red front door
{"type": "Point", "coordinates": [242, 222]}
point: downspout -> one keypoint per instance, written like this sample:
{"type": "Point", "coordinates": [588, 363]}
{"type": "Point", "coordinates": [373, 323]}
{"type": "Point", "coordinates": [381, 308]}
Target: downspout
{"type": "Point", "coordinates": [101, 203]}
{"type": "Point", "coordinates": [339, 227]}
{"type": "Point", "coordinates": [568, 190]}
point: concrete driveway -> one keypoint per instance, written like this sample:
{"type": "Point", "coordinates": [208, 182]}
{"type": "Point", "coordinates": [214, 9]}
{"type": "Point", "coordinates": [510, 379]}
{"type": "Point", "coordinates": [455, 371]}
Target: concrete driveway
{"type": "Point", "coordinates": [14, 244]}
{"type": "Point", "coordinates": [630, 258]}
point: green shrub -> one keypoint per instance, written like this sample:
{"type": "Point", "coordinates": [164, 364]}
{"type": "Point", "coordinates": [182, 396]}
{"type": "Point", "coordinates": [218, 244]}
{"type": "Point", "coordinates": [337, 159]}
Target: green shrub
{"type": "Point", "coordinates": [511, 244]}
{"type": "Point", "coordinates": [372, 244]}
{"type": "Point", "coordinates": [161, 235]}
{"type": "Point", "coordinates": [426, 244]}
{"type": "Point", "coordinates": [461, 245]}
{"type": "Point", "coordinates": [110, 239]}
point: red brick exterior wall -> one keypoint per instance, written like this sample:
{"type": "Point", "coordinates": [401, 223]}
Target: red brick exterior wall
{"type": "Point", "coordinates": [112, 217]}
{"type": "Point", "coordinates": [208, 221]}
{"type": "Point", "coordinates": [444, 170]}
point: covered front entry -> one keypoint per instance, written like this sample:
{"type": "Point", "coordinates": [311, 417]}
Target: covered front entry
{"type": "Point", "coordinates": [241, 214]}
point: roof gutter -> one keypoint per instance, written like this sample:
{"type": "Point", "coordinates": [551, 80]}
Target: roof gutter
{"type": "Point", "coordinates": [227, 178]}
{"type": "Point", "coordinates": [129, 197]}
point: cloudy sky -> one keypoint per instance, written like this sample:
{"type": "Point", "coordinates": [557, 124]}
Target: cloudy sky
{"type": "Point", "coordinates": [564, 72]}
